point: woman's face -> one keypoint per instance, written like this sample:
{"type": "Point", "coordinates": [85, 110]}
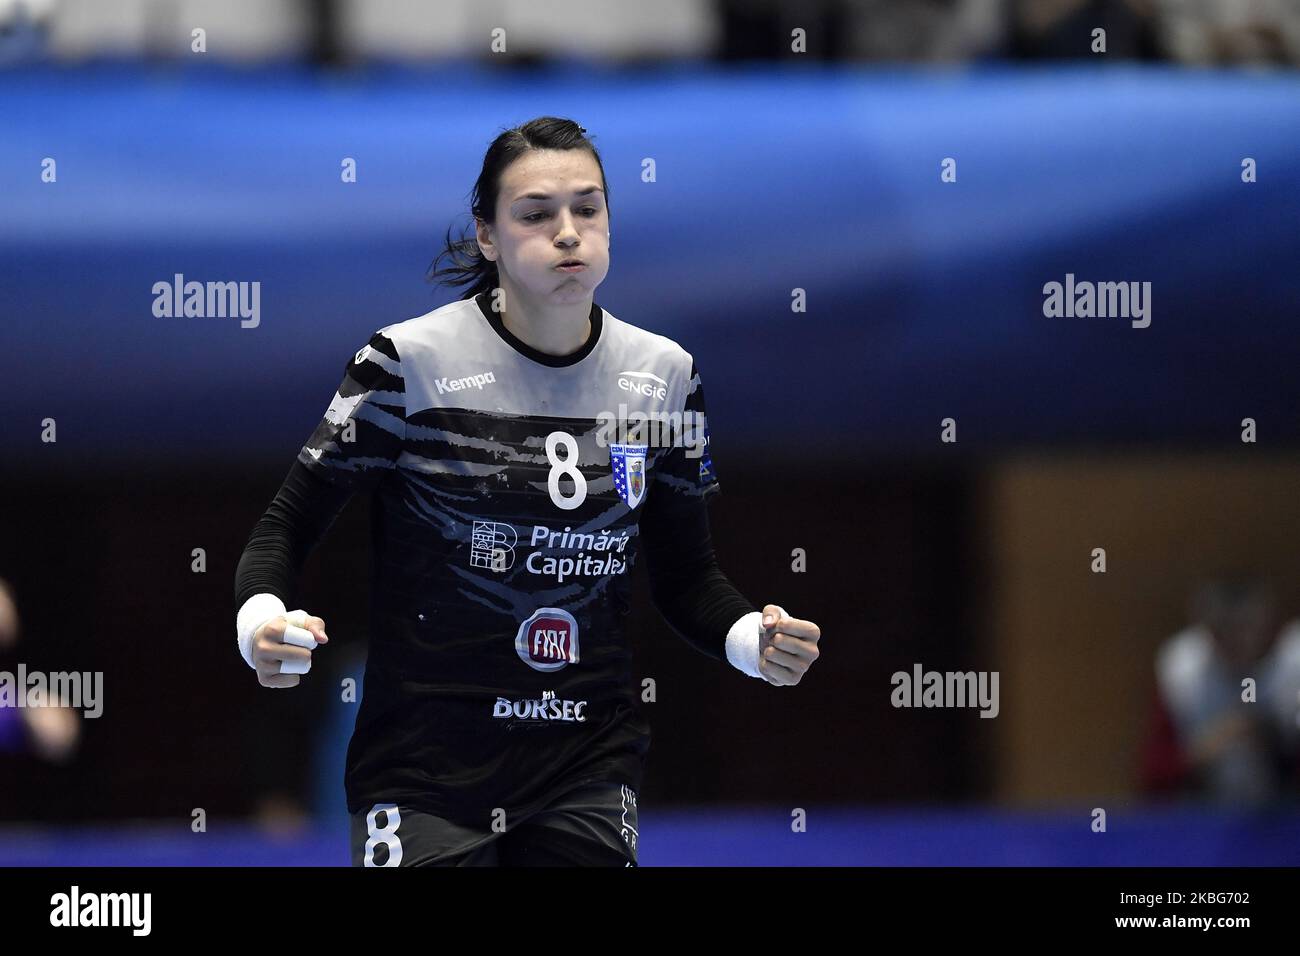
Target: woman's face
{"type": "Point", "coordinates": [551, 207]}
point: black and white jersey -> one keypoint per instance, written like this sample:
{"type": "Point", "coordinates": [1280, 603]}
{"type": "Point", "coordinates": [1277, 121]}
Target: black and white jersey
{"type": "Point", "coordinates": [508, 487]}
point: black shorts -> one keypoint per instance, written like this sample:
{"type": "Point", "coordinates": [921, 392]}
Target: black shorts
{"type": "Point", "coordinates": [595, 825]}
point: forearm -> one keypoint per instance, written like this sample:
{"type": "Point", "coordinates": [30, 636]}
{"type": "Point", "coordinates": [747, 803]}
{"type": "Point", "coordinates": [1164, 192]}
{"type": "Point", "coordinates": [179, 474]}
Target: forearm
{"type": "Point", "coordinates": [266, 577]}
{"type": "Point", "coordinates": [701, 604]}
{"type": "Point", "coordinates": [688, 587]}
{"type": "Point", "coordinates": [299, 515]}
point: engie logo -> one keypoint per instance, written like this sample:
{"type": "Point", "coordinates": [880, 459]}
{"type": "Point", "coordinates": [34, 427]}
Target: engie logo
{"type": "Point", "coordinates": [643, 383]}
{"type": "Point", "coordinates": [548, 640]}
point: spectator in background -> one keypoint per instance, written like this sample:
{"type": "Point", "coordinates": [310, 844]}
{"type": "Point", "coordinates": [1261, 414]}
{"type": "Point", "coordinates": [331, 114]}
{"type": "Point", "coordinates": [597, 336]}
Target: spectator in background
{"type": "Point", "coordinates": [1216, 32]}
{"type": "Point", "coordinates": [50, 733]}
{"type": "Point", "coordinates": [923, 31]}
{"type": "Point", "coordinates": [36, 743]}
{"type": "Point", "coordinates": [1206, 741]}
{"type": "Point", "coordinates": [1062, 29]}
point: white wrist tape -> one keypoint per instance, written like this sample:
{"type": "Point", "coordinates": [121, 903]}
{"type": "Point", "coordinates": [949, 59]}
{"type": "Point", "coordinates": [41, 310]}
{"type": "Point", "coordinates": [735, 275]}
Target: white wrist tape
{"type": "Point", "coordinates": [256, 611]}
{"type": "Point", "coordinates": [744, 641]}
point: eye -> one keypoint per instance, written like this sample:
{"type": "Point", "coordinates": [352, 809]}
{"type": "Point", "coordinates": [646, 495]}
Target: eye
{"type": "Point", "coordinates": [590, 210]}
{"type": "Point", "coordinates": [529, 217]}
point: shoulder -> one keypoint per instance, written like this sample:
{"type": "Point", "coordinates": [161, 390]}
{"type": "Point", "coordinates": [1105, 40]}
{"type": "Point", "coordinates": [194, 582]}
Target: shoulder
{"type": "Point", "coordinates": [650, 365]}
{"type": "Point", "coordinates": [433, 330]}
{"type": "Point", "coordinates": [644, 356]}
{"type": "Point", "coordinates": [651, 346]}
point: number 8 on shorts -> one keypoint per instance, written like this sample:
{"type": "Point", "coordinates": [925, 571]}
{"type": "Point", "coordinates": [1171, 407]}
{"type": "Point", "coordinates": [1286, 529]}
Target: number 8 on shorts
{"type": "Point", "coordinates": [385, 835]}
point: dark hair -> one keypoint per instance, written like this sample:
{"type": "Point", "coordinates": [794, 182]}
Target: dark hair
{"type": "Point", "coordinates": [467, 266]}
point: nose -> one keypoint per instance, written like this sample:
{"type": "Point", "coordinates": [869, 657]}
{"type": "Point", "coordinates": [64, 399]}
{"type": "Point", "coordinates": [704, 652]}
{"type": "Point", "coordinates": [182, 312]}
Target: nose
{"type": "Point", "coordinates": [567, 233]}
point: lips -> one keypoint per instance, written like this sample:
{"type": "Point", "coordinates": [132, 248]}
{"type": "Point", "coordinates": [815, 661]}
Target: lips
{"type": "Point", "coordinates": [569, 262]}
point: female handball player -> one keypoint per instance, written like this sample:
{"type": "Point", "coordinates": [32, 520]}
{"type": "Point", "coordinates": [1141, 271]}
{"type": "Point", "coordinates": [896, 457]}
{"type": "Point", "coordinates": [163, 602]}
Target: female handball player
{"type": "Point", "coordinates": [521, 446]}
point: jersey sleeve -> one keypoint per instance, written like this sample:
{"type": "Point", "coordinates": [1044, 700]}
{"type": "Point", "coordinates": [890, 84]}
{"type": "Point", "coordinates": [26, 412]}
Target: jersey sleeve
{"type": "Point", "coordinates": [360, 437]}
{"type": "Point", "coordinates": [686, 468]}
{"type": "Point", "coordinates": [686, 584]}
{"type": "Point", "coordinates": [297, 518]}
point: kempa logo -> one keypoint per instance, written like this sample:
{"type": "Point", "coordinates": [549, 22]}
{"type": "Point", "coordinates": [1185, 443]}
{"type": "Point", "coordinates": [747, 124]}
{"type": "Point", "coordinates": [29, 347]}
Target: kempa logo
{"type": "Point", "coordinates": [946, 689]}
{"type": "Point", "coordinates": [460, 384]}
{"type": "Point", "coordinates": [645, 384]}
{"type": "Point", "coordinates": [82, 691]}
{"type": "Point", "coordinates": [213, 300]}
{"type": "Point", "coordinates": [1104, 300]}
{"type": "Point", "coordinates": [102, 909]}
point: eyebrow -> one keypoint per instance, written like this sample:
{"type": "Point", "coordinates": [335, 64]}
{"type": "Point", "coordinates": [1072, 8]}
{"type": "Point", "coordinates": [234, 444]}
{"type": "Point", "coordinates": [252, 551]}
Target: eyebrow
{"type": "Point", "coordinates": [540, 195]}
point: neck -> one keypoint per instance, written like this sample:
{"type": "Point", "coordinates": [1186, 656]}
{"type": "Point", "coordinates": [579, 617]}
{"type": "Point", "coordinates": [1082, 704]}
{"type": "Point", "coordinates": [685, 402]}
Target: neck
{"type": "Point", "coordinates": [551, 329]}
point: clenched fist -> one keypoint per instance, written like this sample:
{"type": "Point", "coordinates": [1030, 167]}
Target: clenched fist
{"type": "Point", "coordinates": [282, 648]}
{"type": "Point", "coordinates": [787, 648]}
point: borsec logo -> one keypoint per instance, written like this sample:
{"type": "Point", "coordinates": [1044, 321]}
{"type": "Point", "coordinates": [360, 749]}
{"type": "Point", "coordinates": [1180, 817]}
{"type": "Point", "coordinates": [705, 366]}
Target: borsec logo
{"type": "Point", "coordinates": [548, 640]}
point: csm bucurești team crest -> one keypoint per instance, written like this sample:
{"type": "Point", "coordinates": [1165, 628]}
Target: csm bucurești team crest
{"type": "Point", "coordinates": [628, 464]}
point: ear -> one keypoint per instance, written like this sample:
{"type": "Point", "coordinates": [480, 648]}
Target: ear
{"type": "Point", "coordinates": [483, 234]}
